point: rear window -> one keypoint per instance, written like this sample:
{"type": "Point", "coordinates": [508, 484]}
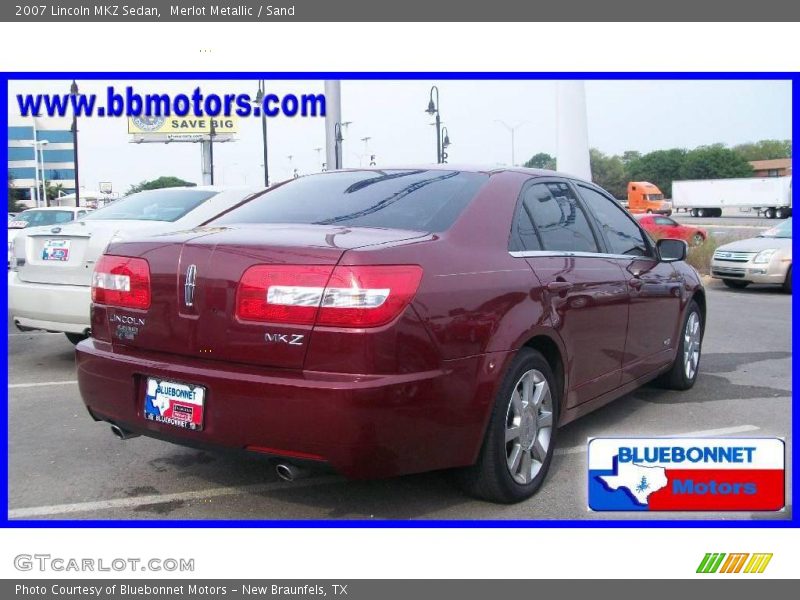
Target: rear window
{"type": "Point", "coordinates": [152, 205]}
{"type": "Point", "coordinates": [420, 200]}
{"type": "Point", "coordinates": [34, 218]}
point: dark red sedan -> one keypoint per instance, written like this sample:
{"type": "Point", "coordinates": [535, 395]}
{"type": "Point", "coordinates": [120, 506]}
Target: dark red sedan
{"type": "Point", "coordinates": [664, 227]}
{"type": "Point", "coordinates": [391, 321]}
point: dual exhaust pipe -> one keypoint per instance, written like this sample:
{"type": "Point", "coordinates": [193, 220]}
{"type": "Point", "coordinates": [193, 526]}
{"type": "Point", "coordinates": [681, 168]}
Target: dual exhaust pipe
{"type": "Point", "coordinates": [286, 471]}
{"type": "Point", "coordinates": [121, 433]}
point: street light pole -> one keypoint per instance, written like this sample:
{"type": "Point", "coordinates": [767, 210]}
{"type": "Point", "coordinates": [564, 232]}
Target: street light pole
{"type": "Point", "coordinates": [259, 102]}
{"type": "Point", "coordinates": [211, 149]}
{"type": "Point", "coordinates": [433, 108]}
{"type": "Point", "coordinates": [73, 90]}
{"type": "Point", "coordinates": [511, 130]}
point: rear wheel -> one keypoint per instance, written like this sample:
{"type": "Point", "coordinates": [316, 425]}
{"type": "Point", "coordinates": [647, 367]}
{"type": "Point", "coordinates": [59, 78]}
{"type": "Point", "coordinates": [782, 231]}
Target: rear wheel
{"type": "Point", "coordinates": [770, 213]}
{"type": "Point", "coordinates": [787, 283]}
{"type": "Point", "coordinates": [519, 442]}
{"type": "Point", "coordinates": [782, 213]}
{"type": "Point", "coordinates": [683, 372]}
{"type": "Point", "coordinates": [76, 338]}
{"type": "Point", "coordinates": [701, 212]}
{"type": "Point", "coordinates": [735, 284]}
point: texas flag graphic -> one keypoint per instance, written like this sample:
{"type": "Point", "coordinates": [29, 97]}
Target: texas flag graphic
{"type": "Point", "coordinates": [686, 474]}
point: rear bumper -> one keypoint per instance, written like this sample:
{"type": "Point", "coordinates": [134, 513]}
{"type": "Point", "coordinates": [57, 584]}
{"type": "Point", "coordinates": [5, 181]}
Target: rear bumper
{"type": "Point", "coordinates": [362, 426]}
{"type": "Point", "coordinates": [63, 308]}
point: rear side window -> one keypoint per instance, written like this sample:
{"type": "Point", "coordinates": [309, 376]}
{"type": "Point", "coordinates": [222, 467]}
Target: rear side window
{"type": "Point", "coordinates": [35, 218]}
{"type": "Point", "coordinates": [152, 205]}
{"type": "Point", "coordinates": [621, 233]}
{"type": "Point", "coordinates": [419, 200]}
{"type": "Point", "coordinates": [558, 219]}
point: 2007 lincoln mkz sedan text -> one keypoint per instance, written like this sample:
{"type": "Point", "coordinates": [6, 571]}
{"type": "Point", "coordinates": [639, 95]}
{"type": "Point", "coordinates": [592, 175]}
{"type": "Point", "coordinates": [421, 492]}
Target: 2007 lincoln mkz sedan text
{"type": "Point", "coordinates": [391, 321]}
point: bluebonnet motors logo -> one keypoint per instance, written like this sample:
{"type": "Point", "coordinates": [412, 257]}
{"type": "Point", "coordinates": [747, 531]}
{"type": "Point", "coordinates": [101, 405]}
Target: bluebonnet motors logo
{"type": "Point", "coordinates": [686, 474]}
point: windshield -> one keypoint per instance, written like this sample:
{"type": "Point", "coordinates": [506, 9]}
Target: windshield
{"type": "Point", "coordinates": [784, 230]}
{"type": "Point", "coordinates": [35, 218]}
{"type": "Point", "coordinates": [418, 200]}
{"type": "Point", "coordinates": [152, 205]}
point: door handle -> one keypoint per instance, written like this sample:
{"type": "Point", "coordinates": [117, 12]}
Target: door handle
{"type": "Point", "coordinates": [635, 283]}
{"type": "Point", "coordinates": [559, 286]}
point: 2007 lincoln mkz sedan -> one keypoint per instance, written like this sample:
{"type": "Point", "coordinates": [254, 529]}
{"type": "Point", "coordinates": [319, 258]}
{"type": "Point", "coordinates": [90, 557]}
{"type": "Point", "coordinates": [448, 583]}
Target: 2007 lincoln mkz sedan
{"type": "Point", "coordinates": [391, 321]}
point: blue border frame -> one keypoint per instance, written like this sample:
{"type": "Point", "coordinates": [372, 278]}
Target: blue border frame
{"type": "Point", "coordinates": [794, 77]}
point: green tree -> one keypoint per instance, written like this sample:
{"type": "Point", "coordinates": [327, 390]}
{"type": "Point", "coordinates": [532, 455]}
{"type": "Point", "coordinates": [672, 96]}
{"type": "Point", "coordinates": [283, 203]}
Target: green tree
{"type": "Point", "coordinates": [160, 183]}
{"type": "Point", "coordinates": [630, 155]}
{"type": "Point", "coordinates": [609, 172]}
{"type": "Point", "coordinates": [542, 160]}
{"type": "Point", "coordinates": [14, 196]}
{"type": "Point", "coordinates": [54, 191]}
{"type": "Point", "coordinates": [764, 149]}
{"type": "Point", "coordinates": [661, 168]}
{"type": "Point", "coordinates": [714, 162]}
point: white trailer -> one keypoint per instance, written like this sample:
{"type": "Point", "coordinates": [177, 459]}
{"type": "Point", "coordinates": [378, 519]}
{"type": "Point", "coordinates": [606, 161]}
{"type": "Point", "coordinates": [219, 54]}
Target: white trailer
{"type": "Point", "coordinates": [770, 196]}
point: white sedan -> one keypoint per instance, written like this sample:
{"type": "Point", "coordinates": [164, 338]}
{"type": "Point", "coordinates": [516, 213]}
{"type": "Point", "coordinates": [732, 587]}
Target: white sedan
{"type": "Point", "coordinates": [49, 285]}
{"type": "Point", "coordinates": [37, 217]}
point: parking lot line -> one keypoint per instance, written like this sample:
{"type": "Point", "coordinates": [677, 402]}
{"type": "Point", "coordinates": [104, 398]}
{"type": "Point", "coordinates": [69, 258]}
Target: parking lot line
{"type": "Point", "coordinates": [139, 501]}
{"type": "Point", "coordinates": [41, 384]}
{"type": "Point", "coordinates": [704, 433]}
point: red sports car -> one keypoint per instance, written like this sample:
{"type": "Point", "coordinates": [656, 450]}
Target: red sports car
{"type": "Point", "coordinates": [390, 321]}
{"type": "Point", "coordinates": [664, 227]}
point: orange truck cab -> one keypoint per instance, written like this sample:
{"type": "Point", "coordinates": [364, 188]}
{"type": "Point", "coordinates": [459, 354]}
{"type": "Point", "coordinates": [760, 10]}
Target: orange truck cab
{"type": "Point", "coordinates": [644, 198]}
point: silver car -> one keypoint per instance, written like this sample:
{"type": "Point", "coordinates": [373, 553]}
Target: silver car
{"type": "Point", "coordinates": [766, 258]}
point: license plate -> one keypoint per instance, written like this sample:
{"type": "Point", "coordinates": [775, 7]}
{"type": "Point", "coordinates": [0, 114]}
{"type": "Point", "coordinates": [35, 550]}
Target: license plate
{"type": "Point", "coordinates": [56, 250]}
{"type": "Point", "coordinates": [173, 403]}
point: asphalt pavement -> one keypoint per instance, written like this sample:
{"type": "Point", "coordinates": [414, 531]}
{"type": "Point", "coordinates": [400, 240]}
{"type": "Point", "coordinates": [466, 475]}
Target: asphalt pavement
{"type": "Point", "coordinates": [63, 465]}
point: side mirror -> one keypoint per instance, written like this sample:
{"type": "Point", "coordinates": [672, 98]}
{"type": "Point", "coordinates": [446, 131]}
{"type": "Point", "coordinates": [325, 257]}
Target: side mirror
{"type": "Point", "coordinates": [672, 250]}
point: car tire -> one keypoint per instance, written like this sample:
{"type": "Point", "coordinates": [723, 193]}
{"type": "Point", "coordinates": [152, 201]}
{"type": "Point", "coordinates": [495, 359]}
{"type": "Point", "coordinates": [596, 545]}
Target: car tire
{"type": "Point", "coordinates": [76, 338]}
{"type": "Point", "coordinates": [787, 283]}
{"type": "Point", "coordinates": [701, 212]}
{"type": "Point", "coordinates": [770, 213]}
{"type": "Point", "coordinates": [781, 213]}
{"type": "Point", "coordinates": [680, 377]}
{"type": "Point", "coordinates": [693, 212]}
{"type": "Point", "coordinates": [735, 284]}
{"type": "Point", "coordinates": [501, 472]}
{"type": "Point", "coordinates": [698, 239]}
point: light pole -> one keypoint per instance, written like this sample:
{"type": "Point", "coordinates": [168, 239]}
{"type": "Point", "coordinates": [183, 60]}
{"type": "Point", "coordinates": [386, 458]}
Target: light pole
{"type": "Point", "coordinates": [38, 167]}
{"type": "Point", "coordinates": [40, 147]}
{"type": "Point", "coordinates": [445, 144]}
{"type": "Point", "coordinates": [73, 91]}
{"type": "Point", "coordinates": [338, 139]}
{"type": "Point", "coordinates": [259, 101]}
{"type": "Point", "coordinates": [433, 109]}
{"type": "Point", "coordinates": [511, 130]}
{"type": "Point", "coordinates": [211, 149]}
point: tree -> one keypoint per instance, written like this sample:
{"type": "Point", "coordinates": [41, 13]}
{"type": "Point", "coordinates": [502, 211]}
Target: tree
{"type": "Point", "coordinates": [714, 162]}
{"type": "Point", "coordinates": [661, 168]}
{"type": "Point", "coordinates": [54, 192]}
{"type": "Point", "coordinates": [609, 172]}
{"type": "Point", "coordinates": [14, 196]}
{"type": "Point", "coordinates": [160, 183]}
{"type": "Point", "coordinates": [542, 160]}
{"type": "Point", "coordinates": [764, 149]}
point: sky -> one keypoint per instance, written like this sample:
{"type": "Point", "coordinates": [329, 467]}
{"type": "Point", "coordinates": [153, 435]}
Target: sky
{"type": "Point", "coordinates": [622, 115]}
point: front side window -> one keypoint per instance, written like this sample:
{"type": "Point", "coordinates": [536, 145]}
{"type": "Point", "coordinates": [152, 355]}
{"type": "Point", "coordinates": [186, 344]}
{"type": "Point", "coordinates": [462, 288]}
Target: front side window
{"type": "Point", "coordinates": [621, 233]}
{"type": "Point", "coordinates": [558, 218]}
{"type": "Point", "coordinates": [152, 205]}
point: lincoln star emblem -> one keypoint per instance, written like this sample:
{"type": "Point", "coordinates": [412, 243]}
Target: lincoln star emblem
{"type": "Point", "coordinates": [188, 287]}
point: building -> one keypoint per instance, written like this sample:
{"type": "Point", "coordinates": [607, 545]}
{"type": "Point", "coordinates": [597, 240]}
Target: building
{"type": "Point", "coordinates": [40, 149]}
{"type": "Point", "coordinates": [776, 167]}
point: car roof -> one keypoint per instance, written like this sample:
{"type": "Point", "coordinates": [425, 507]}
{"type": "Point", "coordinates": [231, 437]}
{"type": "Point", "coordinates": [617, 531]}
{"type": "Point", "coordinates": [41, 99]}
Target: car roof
{"type": "Point", "coordinates": [470, 169]}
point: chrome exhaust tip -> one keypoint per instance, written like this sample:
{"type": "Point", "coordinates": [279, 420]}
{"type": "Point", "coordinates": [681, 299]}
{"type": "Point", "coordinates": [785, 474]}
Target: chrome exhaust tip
{"type": "Point", "coordinates": [289, 472]}
{"type": "Point", "coordinates": [122, 434]}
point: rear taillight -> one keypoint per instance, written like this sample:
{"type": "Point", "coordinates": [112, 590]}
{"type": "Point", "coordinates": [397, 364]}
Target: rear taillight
{"type": "Point", "coordinates": [344, 296]}
{"type": "Point", "coordinates": [121, 281]}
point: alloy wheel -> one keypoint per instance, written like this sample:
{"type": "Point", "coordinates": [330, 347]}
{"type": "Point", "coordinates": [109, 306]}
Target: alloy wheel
{"type": "Point", "coordinates": [529, 426]}
{"type": "Point", "coordinates": [691, 345]}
